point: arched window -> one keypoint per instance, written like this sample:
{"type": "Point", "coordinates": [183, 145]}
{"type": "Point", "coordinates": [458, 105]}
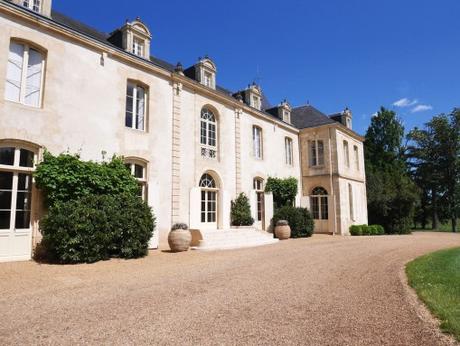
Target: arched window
{"type": "Point", "coordinates": [208, 199]}
{"type": "Point", "coordinates": [16, 167]}
{"type": "Point", "coordinates": [208, 134]}
{"type": "Point", "coordinates": [319, 204]}
{"type": "Point", "coordinates": [24, 76]}
{"type": "Point", "coordinates": [139, 171]}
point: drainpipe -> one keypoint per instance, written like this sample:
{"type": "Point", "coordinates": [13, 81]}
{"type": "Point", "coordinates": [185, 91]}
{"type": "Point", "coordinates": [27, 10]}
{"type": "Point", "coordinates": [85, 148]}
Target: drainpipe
{"type": "Point", "coordinates": [332, 184]}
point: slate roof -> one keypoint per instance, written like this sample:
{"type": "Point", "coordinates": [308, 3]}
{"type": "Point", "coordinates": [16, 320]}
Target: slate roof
{"type": "Point", "coordinates": [308, 116]}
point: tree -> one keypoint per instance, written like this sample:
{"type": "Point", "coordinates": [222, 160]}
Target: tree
{"type": "Point", "coordinates": [435, 154]}
{"type": "Point", "coordinates": [241, 211]}
{"type": "Point", "coordinates": [284, 191]}
{"type": "Point", "coordinates": [391, 193]}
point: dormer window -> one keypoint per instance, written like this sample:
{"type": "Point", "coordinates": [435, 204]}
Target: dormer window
{"type": "Point", "coordinates": [286, 117]}
{"type": "Point", "coordinates": [138, 47]}
{"type": "Point", "coordinates": [33, 5]}
{"type": "Point", "coordinates": [204, 72]}
{"type": "Point", "coordinates": [256, 102]}
{"type": "Point", "coordinates": [134, 37]}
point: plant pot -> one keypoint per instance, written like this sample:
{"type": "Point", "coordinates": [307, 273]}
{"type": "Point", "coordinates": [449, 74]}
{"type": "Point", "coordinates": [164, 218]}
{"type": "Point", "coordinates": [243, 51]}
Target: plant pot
{"type": "Point", "coordinates": [179, 240]}
{"type": "Point", "coordinates": [283, 232]}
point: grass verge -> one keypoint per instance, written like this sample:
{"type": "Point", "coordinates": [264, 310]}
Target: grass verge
{"type": "Point", "coordinates": [436, 279]}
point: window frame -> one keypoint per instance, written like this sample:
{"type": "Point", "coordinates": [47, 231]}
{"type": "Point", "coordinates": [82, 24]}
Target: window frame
{"type": "Point", "coordinates": [257, 142]}
{"type": "Point", "coordinates": [210, 124]}
{"type": "Point", "coordinates": [16, 170]}
{"type": "Point", "coordinates": [32, 4]}
{"type": "Point", "coordinates": [346, 153]}
{"type": "Point", "coordinates": [351, 203]}
{"type": "Point", "coordinates": [27, 46]}
{"type": "Point", "coordinates": [319, 204]}
{"type": "Point", "coordinates": [134, 116]}
{"type": "Point", "coordinates": [142, 182]}
{"type": "Point", "coordinates": [139, 46]}
{"type": "Point", "coordinates": [289, 151]}
{"type": "Point", "coordinates": [316, 160]}
{"type": "Point", "coordinates": [356, 152]}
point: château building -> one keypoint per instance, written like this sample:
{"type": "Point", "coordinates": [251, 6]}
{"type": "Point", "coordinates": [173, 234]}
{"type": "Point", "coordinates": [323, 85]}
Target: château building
{"type": "Point", "coordinates": [192, 144]}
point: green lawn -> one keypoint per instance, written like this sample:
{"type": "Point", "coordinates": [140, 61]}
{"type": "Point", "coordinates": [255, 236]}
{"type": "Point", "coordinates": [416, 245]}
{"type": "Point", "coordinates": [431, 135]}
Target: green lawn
{"type": "Point", "coordinates": [436, 278]}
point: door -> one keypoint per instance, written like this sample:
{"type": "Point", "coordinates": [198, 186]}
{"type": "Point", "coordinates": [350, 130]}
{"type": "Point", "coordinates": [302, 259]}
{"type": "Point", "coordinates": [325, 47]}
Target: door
{"type": "Point", "coordinates": [209, 204]}
{"type": "Point", "coordinates": [260, 210]}
{"type": "Point", "coordinates": [319, 203]}
{"type": "Point", "coordinates": [15, 204]}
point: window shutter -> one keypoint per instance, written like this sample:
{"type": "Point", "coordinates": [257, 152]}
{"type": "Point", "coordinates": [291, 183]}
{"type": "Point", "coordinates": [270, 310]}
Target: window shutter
{"type": "Point", "coordinates": [34, 78]}
{"type": "Point", "coordinates": [14, 72]}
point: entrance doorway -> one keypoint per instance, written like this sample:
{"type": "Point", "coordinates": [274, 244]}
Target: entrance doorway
{"type": "Point", "coordinates": [209, 201]}
{"type": "Point", "coordinates": [260, 195]}
{"type": "Point", "coordinates": [319, 203]}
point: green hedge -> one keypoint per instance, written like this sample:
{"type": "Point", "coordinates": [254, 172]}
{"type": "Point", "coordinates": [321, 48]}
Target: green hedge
{"type": "Point", "coordinates": [300, 220]}
{"type": "Point", "coordinates": [96, 228]}
{"type": "Point", "coordinates": [359, 230]}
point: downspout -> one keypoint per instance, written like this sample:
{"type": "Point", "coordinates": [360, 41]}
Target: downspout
{"type": "Point", "coordinates": [334, 231]}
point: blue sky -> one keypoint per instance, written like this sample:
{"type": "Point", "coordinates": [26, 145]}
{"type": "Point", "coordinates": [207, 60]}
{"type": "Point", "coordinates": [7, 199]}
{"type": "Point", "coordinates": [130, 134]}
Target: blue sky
{"type": "Point", "coordinates": [333, 53]}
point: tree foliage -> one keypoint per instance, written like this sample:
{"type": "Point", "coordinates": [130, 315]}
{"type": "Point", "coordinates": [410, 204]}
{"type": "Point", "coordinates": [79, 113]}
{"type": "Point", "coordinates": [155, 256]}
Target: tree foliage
{"type": "Point", "coordinates": [284, 191]}
{"type": "Point", "coordinates": [434, 156]}
{"type": "Point", "coordinates": [241, 211]}
{"type": "Point", "coordinates": [391, 193]}
{"type": "Point", "coordinates": [65, 177]}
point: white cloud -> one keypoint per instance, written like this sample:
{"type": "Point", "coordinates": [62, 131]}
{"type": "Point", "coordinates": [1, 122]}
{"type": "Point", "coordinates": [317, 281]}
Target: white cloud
{"type": "Point", "coordinates": [421, 108]}
{"type": "Point", "coordinates": [405, 102]}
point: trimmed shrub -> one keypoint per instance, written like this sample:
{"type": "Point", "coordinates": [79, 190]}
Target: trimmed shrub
{"type": "Point", "coordinates": [96, 228]}
{"type": "Point", "coordinates": [358, 230]}
{"type": "Point", "coordinates": [284, 191]}
{"type": "Point", "coordinates": [241, 211]}
{"type": "Point", "coordinates": [299, 219]}
{"type": "Point", "coordinates": [66, 177]}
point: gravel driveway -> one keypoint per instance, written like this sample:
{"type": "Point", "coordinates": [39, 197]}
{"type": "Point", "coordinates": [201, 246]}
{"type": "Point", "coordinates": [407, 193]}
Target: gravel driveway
{"type": "Point", "coordinates": [321, 291]}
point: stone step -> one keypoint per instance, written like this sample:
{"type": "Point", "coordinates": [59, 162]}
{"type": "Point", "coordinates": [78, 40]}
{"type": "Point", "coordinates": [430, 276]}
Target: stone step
{"type": "Point", "coordinates": [234, 239]}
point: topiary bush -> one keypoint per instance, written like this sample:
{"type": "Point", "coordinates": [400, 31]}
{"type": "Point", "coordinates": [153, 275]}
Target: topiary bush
{"type": "Point", "coordinates": [300, 220]}
{"type": "Point", "coordinates": [284, 191]}
{"type": "Point", "coordinates": [97, 227]}
{"type": "Point", "coordinates": [241, 211]}
{"type": "Point", "coordinates": [66, 177]}
{"type": "Point", "coordinates": [358, 230]}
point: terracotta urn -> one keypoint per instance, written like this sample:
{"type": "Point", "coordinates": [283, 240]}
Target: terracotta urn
{"type": "Point", "coordinates": [282, 230]}
{"type": "Point", "coordinates": [179, 238]}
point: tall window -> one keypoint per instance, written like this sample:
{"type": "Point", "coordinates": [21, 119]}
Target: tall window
{"type": "Point", "coordinates": [346, 153]}
{"type": "Point", "coordinates": [350, 201]}
{"type": "Point", "coordinates": [135, 106]}
{"type": "Point", "coordinates": [356, 152]}
{"type": "Point", "coordinates": [24, 76]}
{"type": "Point", "coordinates": [259, 188]}
{"type": "Point", "coordinates": [139, 171]}
{"type": "Point", "coordinates": [319, 204]}
{"type": "Point", "coordinates": [208, 134]}
{"type": "Point", "coordinates": [256, 102]}
{"type": "Point", "coordinates": [16, 166]}
{"type": "Point", "coordinates": [288, 151]}
{"type": "Point", "coordinates": [138, 47]}
{"type": "Point", "coordinates": [208, 199]}
{"type": "Point", "coordinates": [286, 117]}
{"type": "Point", "coordinates": [316, 153]}
{"type": "Point", "coordinates": [208, 79]}
{"type": "Point", "coordinates": [34, 5]}
{"type": "Point", "coordinates": [257, 142]}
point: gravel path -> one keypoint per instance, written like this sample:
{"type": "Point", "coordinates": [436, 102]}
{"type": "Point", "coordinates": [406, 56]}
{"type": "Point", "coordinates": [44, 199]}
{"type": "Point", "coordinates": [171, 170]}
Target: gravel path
{"type": "Point", "coordinates": [321, 291]}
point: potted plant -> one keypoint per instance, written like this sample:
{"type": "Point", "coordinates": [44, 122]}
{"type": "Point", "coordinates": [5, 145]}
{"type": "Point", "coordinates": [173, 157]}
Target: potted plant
{"type": "Point", "coordinates": [282, 230]}
{"type": "Point", "coordinates": [179, 238]}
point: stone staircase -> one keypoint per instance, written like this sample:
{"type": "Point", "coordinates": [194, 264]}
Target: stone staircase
{"type": "Point", "coordinates": [233, 239]}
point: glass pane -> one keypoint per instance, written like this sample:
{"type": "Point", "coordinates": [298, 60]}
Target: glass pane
{"type": "Point", "coordinates": [139, 171]}
{"type": "Point", "coordinates": [26, 158]}
{"type": "Point", "coordinates": [5, 216]}
{"type": "Point", "coordinates": [23, 201]}
{"type": "Point", "coordinates": [129, 119]}
{"type": "Point", "coordinates": [315, 207]}
{"type": "Point", "coordinates": [5, 200]}
{"type": "Point", "coordinates": [324, 209]}
{"type": "Point", "coordinates": [320, 153]}
{"type": "Point", "coordinates": [7, 156]}
{"type": "Point", "coordinates": [6, 180]}
{"type": "Point", "coordinates": [22, 220]}
{"type": "Point", "coordinates": [24, 182]}
{"type": "Point", "coordinates": [14, 72]}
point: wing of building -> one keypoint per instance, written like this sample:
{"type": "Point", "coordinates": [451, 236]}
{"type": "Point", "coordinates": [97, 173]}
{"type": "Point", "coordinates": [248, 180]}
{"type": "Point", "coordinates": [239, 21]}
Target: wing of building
{"type": "Point", "coordinates": [193, 144]}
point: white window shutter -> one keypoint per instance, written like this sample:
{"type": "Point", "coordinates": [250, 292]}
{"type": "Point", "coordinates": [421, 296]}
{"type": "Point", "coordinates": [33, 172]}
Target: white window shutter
{"type": "Point", "coordinates": [14, 72]}
{"type": "Point", "coordinates": [34, 78]}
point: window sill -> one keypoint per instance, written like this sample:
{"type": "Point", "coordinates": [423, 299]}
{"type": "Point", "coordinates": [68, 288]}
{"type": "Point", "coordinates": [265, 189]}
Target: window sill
{"type": "Point", "coordinates": [25, 106]}
{"type": "Point", "coordinates": [318, 167]}
{"type": "Point", "coordinates": [136, 130]}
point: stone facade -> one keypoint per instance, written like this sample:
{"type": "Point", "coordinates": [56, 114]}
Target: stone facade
{"type": "Point", "coordinates": [82, 107]}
